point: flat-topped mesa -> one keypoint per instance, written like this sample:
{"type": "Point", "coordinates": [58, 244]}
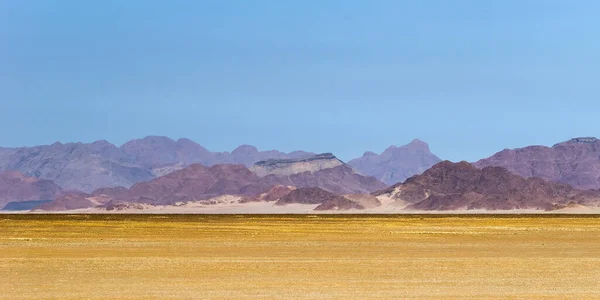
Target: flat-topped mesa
{"type": "Point", "coordinates": [285, 167]}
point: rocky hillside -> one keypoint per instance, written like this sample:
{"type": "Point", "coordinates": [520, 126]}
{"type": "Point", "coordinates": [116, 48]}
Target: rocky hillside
{"type": "Point", "coordinates": [338, 180]}
{"type": "Point", "coordinates": [328, 201]}
{"type": "Point", "coordinates": [452, 186]}
{"type": "Point", "coordinates": [198, 182]}
{"type": "Point", "coordinates": [575, 162]}
{"type": "Point", "coordinates": [396, 164]}
{"type": "Point", "coordinates": [16, 187]}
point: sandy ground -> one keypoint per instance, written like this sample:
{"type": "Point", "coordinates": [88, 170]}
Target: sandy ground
{"type": "Point", "coordinates": [299, 257]}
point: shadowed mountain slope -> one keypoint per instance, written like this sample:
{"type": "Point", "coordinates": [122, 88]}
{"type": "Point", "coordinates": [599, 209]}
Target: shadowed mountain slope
{"type": "Point", "coordinates": [16, 187]}
{"type": "Point", "coordinates": [575, 162]}
{"type": "Point", "coordinates": [451, 186]}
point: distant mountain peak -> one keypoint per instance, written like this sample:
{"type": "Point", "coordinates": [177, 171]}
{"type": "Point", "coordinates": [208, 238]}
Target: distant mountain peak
{"type": "Point", "coordinates": [158, 138]}
{"type": "Point", "coordinates": [418, 144]}
{"type": "Point", "coordinates": [396, 164]}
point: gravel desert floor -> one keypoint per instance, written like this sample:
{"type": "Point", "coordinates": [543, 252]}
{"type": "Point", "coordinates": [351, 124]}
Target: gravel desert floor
{"type": "Point", "coordinates": [299, 256]}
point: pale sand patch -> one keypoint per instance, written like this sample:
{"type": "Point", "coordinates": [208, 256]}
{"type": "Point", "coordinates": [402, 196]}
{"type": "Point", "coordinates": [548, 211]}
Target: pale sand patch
{"type": "Point", "coordinates": [229, 204]}
{"type": "Point", "coordinates": [270, 208]}
{"type": "Point", "coordinates": [197, 208]}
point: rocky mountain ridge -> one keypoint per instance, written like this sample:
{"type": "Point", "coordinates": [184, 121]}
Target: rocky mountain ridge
{"type": "Point", "coordinates": [160, 171]}
{"type": "Point", "coordinates": [445, 186]}
{"type": "Point", "coordinates": [575, 162]}
{"type": "Point", "coordinates": [462, 186]}
{"type": "Point", "coordinates": [198, 182]}
{"type": "Point", "coordinates": [87, 167]}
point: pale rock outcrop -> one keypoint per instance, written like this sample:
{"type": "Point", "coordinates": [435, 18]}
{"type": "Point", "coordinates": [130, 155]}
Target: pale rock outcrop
{"type": "Point", "coordinates": [286, 167]}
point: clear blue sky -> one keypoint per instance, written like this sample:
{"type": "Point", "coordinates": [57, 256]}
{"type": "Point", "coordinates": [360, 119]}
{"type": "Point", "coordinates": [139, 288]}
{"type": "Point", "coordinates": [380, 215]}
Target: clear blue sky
{"type": "Point", "coordinates": [468, 77]}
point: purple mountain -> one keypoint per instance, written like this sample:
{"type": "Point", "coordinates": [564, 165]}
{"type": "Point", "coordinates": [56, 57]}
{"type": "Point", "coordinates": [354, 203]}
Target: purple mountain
{"type": "Point", "coordinates": [396, 164]}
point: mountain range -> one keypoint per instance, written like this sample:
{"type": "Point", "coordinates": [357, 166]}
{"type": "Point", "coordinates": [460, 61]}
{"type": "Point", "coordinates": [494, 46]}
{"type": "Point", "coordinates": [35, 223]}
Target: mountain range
{"type": "Point", "coordinates": [197, 182]}
{"type": "Point", "coordinates": [158, 171]}
{"type": "Point", "coordinates": [87, 167]}
{"type": "Point", "coordinates": [462, 186]}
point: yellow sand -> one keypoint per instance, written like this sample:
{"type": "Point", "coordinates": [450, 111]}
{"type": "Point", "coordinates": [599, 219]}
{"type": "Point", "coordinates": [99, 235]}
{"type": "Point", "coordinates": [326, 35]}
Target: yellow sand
{"type": "Point", "coordinates": [298, 257]}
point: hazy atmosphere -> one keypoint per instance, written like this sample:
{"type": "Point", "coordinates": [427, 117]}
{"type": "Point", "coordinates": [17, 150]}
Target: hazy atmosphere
{"type": "Point", "coordinates": [468, 77]}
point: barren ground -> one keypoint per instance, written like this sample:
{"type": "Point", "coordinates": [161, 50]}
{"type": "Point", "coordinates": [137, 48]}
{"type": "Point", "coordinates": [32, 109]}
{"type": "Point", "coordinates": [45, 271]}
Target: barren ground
{"type": "Point", "coordinates": [299, 257]}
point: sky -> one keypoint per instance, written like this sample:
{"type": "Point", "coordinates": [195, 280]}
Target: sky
{"type": "Point", "coordinates": [469, 77]}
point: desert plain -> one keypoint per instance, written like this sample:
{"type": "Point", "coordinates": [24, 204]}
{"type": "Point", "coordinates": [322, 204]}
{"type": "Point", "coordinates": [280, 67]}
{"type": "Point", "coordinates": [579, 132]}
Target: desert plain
{"type": "Point", "coordinates": [151, 256]}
